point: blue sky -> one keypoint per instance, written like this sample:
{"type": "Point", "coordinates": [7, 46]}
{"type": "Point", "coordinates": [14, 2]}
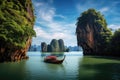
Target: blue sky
{"type": "Point", "coordinates": [56, 19]}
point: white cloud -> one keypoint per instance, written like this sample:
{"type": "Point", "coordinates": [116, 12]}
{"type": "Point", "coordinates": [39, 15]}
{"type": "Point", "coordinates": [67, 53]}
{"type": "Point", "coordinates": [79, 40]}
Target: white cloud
{"type": "Point", "coordinates": [44, 10]}
{"type": "Point", "coordinates": [104, 9]}
{"type": "Point", "coordinates": [60, 16]}
{"type": "Point", "coordinates": [59, 27]}
{"type": "Point", "coordinates": [46, 14]}
{"type": "Point", "coordinates": [92, 4]}
{"type": "Point", "coordinates": [40, 32]}
{"type": "Point", "coordinates": [114, 26]}
{"type": "Point", "coordinates": [84, 6]}
{"type": "Point", "coordinates": [38, 4]}
{"type": "Point", "coordinates": [48, 35]}
{"type": "Point", "coordinates": [80, 8]}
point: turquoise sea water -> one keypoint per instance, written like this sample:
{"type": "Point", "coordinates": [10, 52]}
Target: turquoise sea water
{"type": "Point", "coordinates": [75, 67]}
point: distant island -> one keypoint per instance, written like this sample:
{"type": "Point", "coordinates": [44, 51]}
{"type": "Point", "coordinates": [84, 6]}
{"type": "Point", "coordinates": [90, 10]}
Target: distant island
{"type": "Point", "coordinates": [38, 48]}
{"type": "Point", "coordinates": [95, 37]}
{"type": "Point", "coordinates": [54, 46]}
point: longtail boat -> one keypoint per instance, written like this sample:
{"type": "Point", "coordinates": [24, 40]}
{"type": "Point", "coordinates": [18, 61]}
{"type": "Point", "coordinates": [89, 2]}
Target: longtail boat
{"type": "Point", "coordinates": [53, 59]}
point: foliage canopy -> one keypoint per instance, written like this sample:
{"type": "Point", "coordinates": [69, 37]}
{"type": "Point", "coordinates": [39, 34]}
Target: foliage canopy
{"type": "Point", "coordinates": [16, 25]}
{"type": "Point", "coordinates": [115, 42]}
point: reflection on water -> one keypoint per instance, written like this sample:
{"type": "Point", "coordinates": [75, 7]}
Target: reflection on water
{"type": "Point", "coordinates": [60, 54]}
{"type": "Point", "coordinates": [75, 67]}
{"type": "Point", "coordinates": [12, 71]}
{"type": "Point", "coordinates": [99, 68]}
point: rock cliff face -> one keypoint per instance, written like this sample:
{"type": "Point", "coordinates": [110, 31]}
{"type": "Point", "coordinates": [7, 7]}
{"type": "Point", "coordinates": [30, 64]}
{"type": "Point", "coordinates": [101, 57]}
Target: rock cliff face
{"type": "Point", "coordinates": [61, 45]}
{"type": "Point", "coordinates": [92, 33]}
{"type": "Point", "coordinates": [54, 46]}
{"type": "Point", "coordinates": [16, 22]}
{"type": "Point", "coordinates": [44, 47]}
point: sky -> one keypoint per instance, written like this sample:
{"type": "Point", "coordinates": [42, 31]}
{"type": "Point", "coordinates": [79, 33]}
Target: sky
{"type": "Point", "coordinates": [56, 19]}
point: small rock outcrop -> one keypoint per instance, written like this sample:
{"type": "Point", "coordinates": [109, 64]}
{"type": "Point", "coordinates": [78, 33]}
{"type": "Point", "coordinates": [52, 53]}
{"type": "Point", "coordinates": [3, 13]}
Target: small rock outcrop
{"type": "Point", "coordinates": [61, 45]}
{"type": "Point", "coordinates": [92, 33]}
{"type": "Point", "coordinates": [44, 47]}
{"type": "Point", "coordinates": [16, 29]}
{"type": "Point", "coordinates": [54, 46]}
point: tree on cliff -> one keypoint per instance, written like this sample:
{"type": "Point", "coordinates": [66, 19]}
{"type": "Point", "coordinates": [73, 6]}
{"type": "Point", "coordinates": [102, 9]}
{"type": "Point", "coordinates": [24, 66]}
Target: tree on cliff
{"type": "Point", "coordinates": [92, 32]}
{"type": "Point", "coordinates": [115, 42]}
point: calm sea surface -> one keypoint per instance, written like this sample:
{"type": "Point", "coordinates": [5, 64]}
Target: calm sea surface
{"type": "Point", "coordinates": [75, 67]}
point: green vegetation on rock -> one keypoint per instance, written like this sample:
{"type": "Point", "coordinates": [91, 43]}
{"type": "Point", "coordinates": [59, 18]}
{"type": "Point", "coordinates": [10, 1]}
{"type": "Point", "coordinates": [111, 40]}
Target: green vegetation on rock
{"type": "Point", "coordinates": [115, 42]}
{"type": "Point", "coordinates": [16, 25]}
{"type": "Point", "coordinates": [92, 32]}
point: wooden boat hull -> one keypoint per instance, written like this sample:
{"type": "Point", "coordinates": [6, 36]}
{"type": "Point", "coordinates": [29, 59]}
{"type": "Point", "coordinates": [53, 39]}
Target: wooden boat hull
{"type": "Point", "coordinates": [53, 61]}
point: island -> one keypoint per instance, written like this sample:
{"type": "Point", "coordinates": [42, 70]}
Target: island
{"type": "Point", "coordinates": [54, 46]}
{"type": "Point", "coordinates": [16, 29]}
{"type": "Point", "coordinates": [95, 37]}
